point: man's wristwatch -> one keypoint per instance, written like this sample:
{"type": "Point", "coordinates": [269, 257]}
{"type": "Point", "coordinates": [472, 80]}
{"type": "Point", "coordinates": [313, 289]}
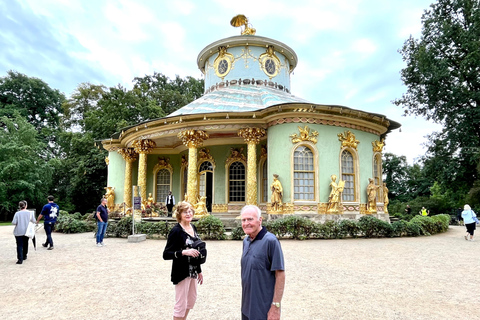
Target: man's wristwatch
{"type": "Point", "coordinates": [276, 304]}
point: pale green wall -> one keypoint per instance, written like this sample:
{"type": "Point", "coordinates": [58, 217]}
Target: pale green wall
{"type": "Point", "coordinates": [280, 149]}
{"type": "Point", "coordinates": [116, 174]}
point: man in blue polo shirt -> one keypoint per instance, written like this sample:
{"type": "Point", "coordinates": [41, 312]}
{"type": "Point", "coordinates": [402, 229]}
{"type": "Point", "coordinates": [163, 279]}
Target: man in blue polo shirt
{"type": "Point", "coordinates": [102, 221]}
{"type": "Point", "coordinates": [49, 214]}
{"type": "Point", "coordinates": [263, 269]}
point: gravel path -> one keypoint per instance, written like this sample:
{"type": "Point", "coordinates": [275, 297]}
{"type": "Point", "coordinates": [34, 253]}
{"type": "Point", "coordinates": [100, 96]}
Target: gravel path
{"type": "Point", "coordinates": [400, 278]}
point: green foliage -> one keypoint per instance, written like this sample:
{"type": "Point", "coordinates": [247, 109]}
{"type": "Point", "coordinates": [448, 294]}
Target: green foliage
{"type": "Point", "coordinates": [154, 228]}
{"type": "Point", "coordinates": [413, 229]}
{"type": "Point", "coordinates": [73, 223]}
{"type": "Point", "coordinates": [400, 228]}
{"type": "Point", "coordinates": [210, 227]}
{"type": "Point", "coordinates": [350, 227]}
{"type": "Point", "coordinates": [25, 174]}
{"type": "Point", "coordinates": [237, 232]}
{"type": "Point", "coordinates": [121, 228]}
{"type": "Point", "coordinates": [297, 227]}
{"type": "Point", "coordinates": [441, 76]}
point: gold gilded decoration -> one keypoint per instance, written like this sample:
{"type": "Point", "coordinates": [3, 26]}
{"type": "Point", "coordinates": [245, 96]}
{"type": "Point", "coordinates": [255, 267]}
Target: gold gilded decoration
{"type": "Point", "coordinates": [385, 198]}
{"type": "Point", "coordinates": [129, 155]}
{"type": "Point", "coordinates": [322, 208]}
{"type": "Point", "coordinates": [223, 62]}
{"type": "Point", "coordinates": [277, 194]}
{"type": "Point", "coordinates": [144, 146]}
{"type": "Point", "coordinates": [363, 208]}
{"type": "Point", "coordinates": [204, 155]}
{"type": "Point", "coordinates": [184, 161]}
{"type": "Point", "coordinates": [348, 140]}
{"type": "Point", "coordinates": [107, 161]}
{"type": "Point", "coordinates": [241, 20]}
{"type": "Point", "coordinates": [304, 135]}
{"type": "Point", "coordinates": [263, 153]}
{"type": "Point", "coordinates": [219, 208]}
{"type": "Point", "coordinates": [236, 154]}
{"type": "Point", "coordinates": [110, 196]}
{"type": "Point", "coordinates": [378, 145]}
{"type": "Point", "coordinates": [251, 134]}
{"type": "Point", "coordinates": [334, 199]}
{"type": "Point", "coordinates": [163, 163]}
{"type": "Point", "coordinates": [269, 62]}
{"type": "Point", "coordinates": [372, 196]}
{"type": "Point", "coordinates": [192, 138]}
{"type": "Point", "coordinates": [201, 208]}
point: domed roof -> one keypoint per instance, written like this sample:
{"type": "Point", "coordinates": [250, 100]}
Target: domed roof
{"type": "Point", "coordinates": [239, 98]}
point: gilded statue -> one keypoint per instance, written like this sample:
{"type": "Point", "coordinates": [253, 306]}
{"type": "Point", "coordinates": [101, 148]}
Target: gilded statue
{"type": "Point", "coordinates": [277, 194]}
{"type": "Point", "coordinates": [334, 197]}
{"type": "Point", "coordinates": [305, 135]}
{"type": "Point", "coordinates": [385, 198]}
{"type": "Point", "coordinates": [150, 200]}
{"type": "Point", "coordinates": [239, 21]}
{"type": "Point", "coordinates": [372, 196]}
{"type": "Point", "coordinates": [201, 208]}
{"type": "Point", "coordinates": [110, 196]}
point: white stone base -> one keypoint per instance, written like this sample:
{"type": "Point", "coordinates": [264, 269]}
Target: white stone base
{"type": "Point", "coordinates": [137, 238]}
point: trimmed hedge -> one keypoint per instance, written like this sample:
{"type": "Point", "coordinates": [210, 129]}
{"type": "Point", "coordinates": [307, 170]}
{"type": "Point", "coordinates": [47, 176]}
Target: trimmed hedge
{"type": "Point", "coordinates": [291, 227]}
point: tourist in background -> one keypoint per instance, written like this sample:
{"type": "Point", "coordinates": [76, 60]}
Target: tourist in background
{"type": "Point", "coordinates": [102, 221]}
{"type": "Point", "coordinates": [170, 202]}
{"type": "Point", "coordinates": [470, 221]}
{"type": "Point", "coordinates": [408, 210]}
{"type": "Point", "coordinates": [185, 275]}
{"type": "Point", "coordinates": [49, 213]}
{"type": "Point", "coordinates": [21, 220]}
{"type": "Point", "coordinates": [424, 212]}
{"type": "Point", "coordinates": [263, 269]}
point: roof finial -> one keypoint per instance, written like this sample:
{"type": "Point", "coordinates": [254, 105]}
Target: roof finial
{"type": "Point", "coordinates": [240, 20]}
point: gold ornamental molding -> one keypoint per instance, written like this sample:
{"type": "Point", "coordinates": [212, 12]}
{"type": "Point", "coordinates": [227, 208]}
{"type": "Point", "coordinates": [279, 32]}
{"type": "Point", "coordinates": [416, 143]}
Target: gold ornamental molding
{"type": "Point", "coordinates": [252, 135]}
{"type": "Point", "coordinates": [192, 138]}
{"type": "Point", "coordinates": [163, 163]}
{"type": "Point", "coordinates": [305, 135]}
{"type": "Point", "coordinates": [322, 122]}
{"type": "Point", "coordinates": [269, 62]}
{"type": "Point", "coordinates": [128, 154]}
{"type": "Point", "coordinates": [219, 208]}
{"type": "Point", "coordinates": [236, 154]}
{"type": "Point", "coordinates": [204, 155]}
{"type": "Point", "coordinates": [378, 145]}
{"type": "Point", "coordinates": [263, 153]}
{"type": "Point", "coordinates": [348, 140]}
{"type": "Point", "coordinates": [144, 146]}
{"type": "Point", "coordinates": [184, 161]}
{"type": "Point", "coordinates": [223, 62]}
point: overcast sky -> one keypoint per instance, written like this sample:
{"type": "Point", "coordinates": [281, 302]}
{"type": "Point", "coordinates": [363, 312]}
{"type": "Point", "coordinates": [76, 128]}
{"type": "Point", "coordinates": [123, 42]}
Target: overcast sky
{"type": "Point", "coordinates": [347, 49]}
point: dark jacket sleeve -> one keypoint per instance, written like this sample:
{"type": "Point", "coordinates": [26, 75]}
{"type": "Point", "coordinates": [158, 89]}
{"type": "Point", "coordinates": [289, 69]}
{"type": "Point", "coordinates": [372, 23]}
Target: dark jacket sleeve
{"type": "Point", "coordinates": [175, 243]}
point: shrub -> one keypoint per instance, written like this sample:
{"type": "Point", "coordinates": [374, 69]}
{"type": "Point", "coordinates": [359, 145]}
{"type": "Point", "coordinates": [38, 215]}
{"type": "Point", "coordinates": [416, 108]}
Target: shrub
{"type": "Point", "coordinates": [210, 227]}
{"type": "Point", "coordinates": [69, 223]}
{"type": "Point", "coordinates": [237, 233]}
{"type": "Point", "coordinates": [426, 225]}
{"type": "Point", "coordinates": [384, 229]}
{"type": "Point", "coordinates": [327, 230]}
{"type": "Point", "coordinates": [368, 226]}
{"type": "Point", "coordinates": [277, 227]}
{"type": "Point", "coordinates": [297, 227]}
{"type": "Point", "coordinates": [152, 228]}
{"type": "Point", "coordinates": [121, 228]}
{"type": "Point", "coordinates": [413, 229]}
{"type": "Point", "coordinates": [399, 228]}
{"type": "Point", "coordinates": [350, 227]}
{"type": "Point", "coordinates": [442, 221]}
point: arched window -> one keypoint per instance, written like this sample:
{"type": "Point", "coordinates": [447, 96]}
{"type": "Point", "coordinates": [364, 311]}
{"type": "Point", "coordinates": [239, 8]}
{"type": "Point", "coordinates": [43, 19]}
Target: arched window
{"type": "Point", "coordinates": [163, 184]}
{"type": "Point", "coordinates": [264, 183]}
{"type": "Point", "coordinates": [236, 182]}
{"type": "Point", "coordinates": [205, 167]}
{"type": "Point", "coordinates": [348, 175]}
{"type": "Point", "coordinates": [377, 174]}
{"type": "Point", "coordinates": [303, 174]}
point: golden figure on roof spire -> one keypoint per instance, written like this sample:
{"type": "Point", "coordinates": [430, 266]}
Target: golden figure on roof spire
{"type": "Point", "coordinates": [240, 20]}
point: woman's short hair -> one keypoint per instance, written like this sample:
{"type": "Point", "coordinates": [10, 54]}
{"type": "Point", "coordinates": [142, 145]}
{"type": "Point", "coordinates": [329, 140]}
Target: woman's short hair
{"type": "Point", "coordinates": [22, 204]}
{"type": "Point", "coordinates": [181, 208]}
{"type": "Point", "coordinates": [466, 207]}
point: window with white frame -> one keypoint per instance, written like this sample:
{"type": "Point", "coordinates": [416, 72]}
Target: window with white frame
{"type": "Point", "coordinates": [303, 174]}
{"type": "Point", "coordinates": [163, 184]}
{"type": "Point", "coordinates": [236, 182]}
{"type": "Point", "coordinates": [348, 175]}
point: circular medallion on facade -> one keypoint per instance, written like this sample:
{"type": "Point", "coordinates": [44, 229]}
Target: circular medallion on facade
{"type": "Point", "coordinates": [270, 67]}
{"type": "Point", "coordinates": [223, 67]}
{"type": "Point", "coordinates": [223, 63]}
{"type": "Point", "coordinates": [269, 62]}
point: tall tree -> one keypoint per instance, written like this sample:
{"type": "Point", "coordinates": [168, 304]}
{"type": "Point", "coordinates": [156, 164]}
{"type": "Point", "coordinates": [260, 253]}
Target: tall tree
{"type": "Point", "coordinates": [24, 173]}
{"type": "Point", "coordinates": [443, 84]}
{"type": "Point", "coordinates": [33, 99]}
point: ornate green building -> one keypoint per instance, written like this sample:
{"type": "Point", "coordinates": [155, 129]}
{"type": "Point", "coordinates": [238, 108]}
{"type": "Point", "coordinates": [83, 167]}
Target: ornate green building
{"type": "Point", "coordinates": [227, 145]}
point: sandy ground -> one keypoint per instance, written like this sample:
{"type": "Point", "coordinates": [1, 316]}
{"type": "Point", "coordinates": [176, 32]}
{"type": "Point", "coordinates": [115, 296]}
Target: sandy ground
{"type": "Point", "coordinates": [401, 278]}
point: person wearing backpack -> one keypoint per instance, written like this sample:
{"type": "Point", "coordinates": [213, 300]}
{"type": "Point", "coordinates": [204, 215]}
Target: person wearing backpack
{"type": "Point", "coordinates": [186, 269]}
{"type": "Point", "coordinates": [49, 213]}
{"type": "Point", "coordinates": [470, 220]}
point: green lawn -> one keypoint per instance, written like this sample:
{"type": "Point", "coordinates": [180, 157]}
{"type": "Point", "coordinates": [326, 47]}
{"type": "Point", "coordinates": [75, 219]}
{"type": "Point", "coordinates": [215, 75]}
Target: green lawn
{"type": "Point", "coordinates": [5, 224]}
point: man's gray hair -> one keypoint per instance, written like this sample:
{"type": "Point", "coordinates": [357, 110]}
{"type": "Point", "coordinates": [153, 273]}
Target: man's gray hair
{"type": "Point", "coordinates": [253, 207]}
{"type": "Point", "coordinates": [103, 199]}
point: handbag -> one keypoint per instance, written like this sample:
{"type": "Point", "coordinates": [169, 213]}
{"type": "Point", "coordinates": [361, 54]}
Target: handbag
{"type": "Point", "coordinates": [30, 232]}
{"type": "Point", "coordinates": [476, 220]}
{"type": "Point", "coordinates": [202, 248]}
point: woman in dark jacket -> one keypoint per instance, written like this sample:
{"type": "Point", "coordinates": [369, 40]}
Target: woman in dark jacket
{"type": "Point", "coordinates": [185, 275]}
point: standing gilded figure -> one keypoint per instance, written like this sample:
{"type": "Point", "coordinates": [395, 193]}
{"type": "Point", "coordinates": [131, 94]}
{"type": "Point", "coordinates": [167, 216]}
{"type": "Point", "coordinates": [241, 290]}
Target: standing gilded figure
{"type": "Point", "coordinates": [277, 194]}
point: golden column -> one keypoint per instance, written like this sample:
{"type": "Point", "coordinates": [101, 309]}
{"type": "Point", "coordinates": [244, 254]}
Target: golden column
{"type": "Point", "coordinates": [129, 155]}
{"type": "Point", "coordinates": [143, 147]}
{"type": "Point", "coordinates": [192, 139]}
{"type": "Point", "coordinates": [252, 137]}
